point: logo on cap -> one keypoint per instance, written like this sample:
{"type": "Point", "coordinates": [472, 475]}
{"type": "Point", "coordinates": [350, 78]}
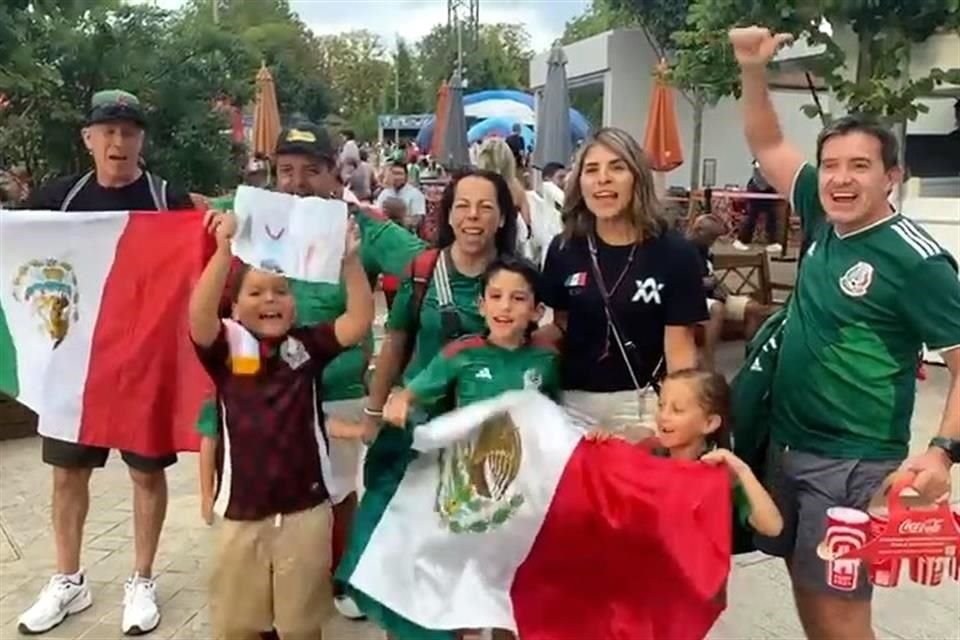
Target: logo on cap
{"type": "Point", "coordinates": [297, 135]}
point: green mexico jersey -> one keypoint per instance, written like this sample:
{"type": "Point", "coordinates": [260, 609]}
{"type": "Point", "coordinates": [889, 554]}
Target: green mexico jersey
{"type": "Point", "coordinates": [864, 305]}
{"type": "Point", "coordinates": [472, 369]}
{"type": "Point", "coordinates": [431, 337]}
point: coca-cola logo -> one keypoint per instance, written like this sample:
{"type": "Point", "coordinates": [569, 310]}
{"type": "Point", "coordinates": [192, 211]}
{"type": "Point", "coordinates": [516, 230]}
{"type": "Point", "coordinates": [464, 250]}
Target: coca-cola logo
{"type": "Point", "coordinates": [919, 527]}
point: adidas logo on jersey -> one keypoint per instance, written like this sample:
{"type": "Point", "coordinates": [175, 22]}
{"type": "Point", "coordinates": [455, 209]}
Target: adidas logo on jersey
{"type": "Point", "coordinates": [484, 374]}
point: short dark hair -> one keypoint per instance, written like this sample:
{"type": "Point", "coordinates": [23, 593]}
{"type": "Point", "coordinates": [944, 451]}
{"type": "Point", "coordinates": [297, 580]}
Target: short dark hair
{"type": "Point", "coordinates": [518, 265]}
{"type": "Point", "coordinates": [550, 169]}
{"type": "Point", "coordinates": [889, 147]}
{"type": "Point", "coordinates": [397, 164]}
{"type": "Point", "coordinates": [348, 134]}
{"type": "Point", "coordinates": [364, 156]}
{"type": "Point", "coordinates": [506, 238]}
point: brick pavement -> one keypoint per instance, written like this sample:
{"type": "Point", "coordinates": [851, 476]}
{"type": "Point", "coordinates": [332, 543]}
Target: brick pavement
{"type": "Point", "coordinates": [759, 596]}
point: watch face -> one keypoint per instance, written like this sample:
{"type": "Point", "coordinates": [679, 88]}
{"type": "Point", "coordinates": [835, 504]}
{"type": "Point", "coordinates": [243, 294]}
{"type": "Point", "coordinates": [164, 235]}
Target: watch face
{"type": "Point", "coordinates": [952, 447]}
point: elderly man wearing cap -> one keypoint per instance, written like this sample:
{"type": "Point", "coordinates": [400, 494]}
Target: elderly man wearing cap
{"type": "Point", "coordinates": [307, 165]}
{"type": "Point", "coordinates": [113, 136]}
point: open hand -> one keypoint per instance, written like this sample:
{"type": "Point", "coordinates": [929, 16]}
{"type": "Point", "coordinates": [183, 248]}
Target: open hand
{"type": "Point", "coordinates": [756, 46]}
{"type": "Point", "coordinates": [222, 225]}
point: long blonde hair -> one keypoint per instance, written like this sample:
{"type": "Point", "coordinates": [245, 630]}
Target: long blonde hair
{"type": "Point", "coordinates": [644, 207]}
{"type": "Point", "coordinates": [496, 156]}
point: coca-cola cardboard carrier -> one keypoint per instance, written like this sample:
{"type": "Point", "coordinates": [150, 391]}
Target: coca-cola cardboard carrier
{"type": "Point", "coordinates": [901, 529]}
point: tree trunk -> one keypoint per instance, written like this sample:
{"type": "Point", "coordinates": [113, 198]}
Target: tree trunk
{"type": "Point", "coordinates": [698, 108]}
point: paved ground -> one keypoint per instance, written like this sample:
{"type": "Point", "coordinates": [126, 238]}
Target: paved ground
{"type": "Point", "coordinates": [760, 603]}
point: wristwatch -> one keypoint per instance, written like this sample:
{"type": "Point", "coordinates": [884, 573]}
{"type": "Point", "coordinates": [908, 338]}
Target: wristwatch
{"type": "Point", "coordinates": [951, 446]}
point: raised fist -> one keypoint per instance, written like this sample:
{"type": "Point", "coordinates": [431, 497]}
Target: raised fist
{"type": "Point", "coordinates": [756, 46]}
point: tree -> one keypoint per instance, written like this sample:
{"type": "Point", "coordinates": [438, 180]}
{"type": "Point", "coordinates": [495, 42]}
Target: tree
{"type": "Point", "coordinates": [72, 55]}
{"type": "Point", "coordinates": [601, 16]}
{"type": "Point", "coordinates": [280, 39]}
{"type": "Point", "coordinates": [501, 60]}
{"type": "Point", "coordinates": [405, 69]}
{"type": "Point", "coordinates": [878, 37]}
{"type": "Point", "coordinates": [355, 67]}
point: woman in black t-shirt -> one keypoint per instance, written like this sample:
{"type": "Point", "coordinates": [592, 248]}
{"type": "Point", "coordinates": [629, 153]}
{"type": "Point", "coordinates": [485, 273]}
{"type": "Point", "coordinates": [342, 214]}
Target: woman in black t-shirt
{"type": "Point", "coordinates": [617, 246]}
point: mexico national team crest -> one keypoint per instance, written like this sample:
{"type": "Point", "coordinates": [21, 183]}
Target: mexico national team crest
{"type": "Point", "coordinates": [856, 281]}
{"type": "Point", "coordinates": [475, 492]}
{"type": "Point", "coordinates": [51, 290]}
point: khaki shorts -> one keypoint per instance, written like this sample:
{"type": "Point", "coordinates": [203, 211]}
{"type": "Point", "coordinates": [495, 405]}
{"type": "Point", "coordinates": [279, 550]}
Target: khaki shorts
{"type": "Point", "coordinates": [273, 573]}
{"type": "Point", "coordinates": [619, 412]}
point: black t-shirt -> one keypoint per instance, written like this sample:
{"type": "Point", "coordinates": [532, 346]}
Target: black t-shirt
{"type": "Point", "coordinates": [517, 145]}
{"type": "Point", "coordinates": [92, 197]}
{"type": "Point", "coordinates": [663, 286]}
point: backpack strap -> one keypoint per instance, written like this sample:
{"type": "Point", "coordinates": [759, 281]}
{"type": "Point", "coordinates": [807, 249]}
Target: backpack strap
{"type": "Point", "coordinates": [75, 189]}
{"type": "Point", "coordinates": [420, 272]}
{"type": "Point", "coordinates": [158, 191]}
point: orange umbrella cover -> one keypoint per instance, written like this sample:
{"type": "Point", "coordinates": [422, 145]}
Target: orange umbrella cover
{"type": "Point", "coordinates": [439, 119]}
{"type": "Point", "coordinates": [266, 114]}
{"type": "Point", "coordinates": [662, 140]}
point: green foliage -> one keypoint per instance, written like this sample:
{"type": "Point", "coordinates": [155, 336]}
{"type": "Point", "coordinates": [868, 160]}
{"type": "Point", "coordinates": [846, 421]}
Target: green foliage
{"type": "Point", "coordinates": [406, 70]}
{"type": "Point", "coordinates": [601, 16]}
{"type": "Point", "coordinates": [60, 58]}
{"type": "Point", "coordinates": [355, 67]}
{"type": "Point", "coordinates": [501, 61]}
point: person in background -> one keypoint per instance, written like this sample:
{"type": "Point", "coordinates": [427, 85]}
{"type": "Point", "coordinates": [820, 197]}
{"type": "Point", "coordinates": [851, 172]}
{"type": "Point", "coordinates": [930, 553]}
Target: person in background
{"type": "Point", "coordinates": [517, 146]}
{"type": "Point", "coordinates": [398, 187]}
{"type": "Point", "coordinates": [113, 136]}
{"type": "Point", "coordinates": [873, 289]}
{"type": "Point", "coordinates": [496, 156]}
{"type": "Point", "coordinates": [349, 150]}
{"type": "Point", "coordinates": [757, 208]}
{"type": "Point", "coordinates": [257, 173]}
{"type": "Point", "coordinates": [396, 210]}
{"type": "Point", "coordinates": [626, 291]}
{"type": "Point", "coordinates": [556, 173]}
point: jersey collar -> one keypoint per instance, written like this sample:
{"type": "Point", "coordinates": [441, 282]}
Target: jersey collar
{"type": "Point", "coordinates": [874, 225]}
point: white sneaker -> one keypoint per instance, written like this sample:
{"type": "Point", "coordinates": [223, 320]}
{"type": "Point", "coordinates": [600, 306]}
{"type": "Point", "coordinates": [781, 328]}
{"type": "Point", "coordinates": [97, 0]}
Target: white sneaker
{"type": "Point", "coordinates": [776, 247]}
{"type": "Point", "coordinates": [739, 246]}
{"type": "Point", "coordinates": [348, 608]}
{"type": "Point", "coordinates": [59, 599]}
{"type": "Point", "coordinates": [140, 611]}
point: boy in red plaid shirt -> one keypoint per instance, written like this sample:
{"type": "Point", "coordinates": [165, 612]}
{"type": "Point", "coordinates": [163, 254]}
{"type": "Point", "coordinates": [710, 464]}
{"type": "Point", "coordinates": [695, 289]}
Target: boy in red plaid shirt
{"type": "Point", "coordinates": [270, 571]}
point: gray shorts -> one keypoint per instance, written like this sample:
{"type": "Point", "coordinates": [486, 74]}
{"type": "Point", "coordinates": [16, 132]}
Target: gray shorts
{"type": "Point", "coordinates": [804, 486]}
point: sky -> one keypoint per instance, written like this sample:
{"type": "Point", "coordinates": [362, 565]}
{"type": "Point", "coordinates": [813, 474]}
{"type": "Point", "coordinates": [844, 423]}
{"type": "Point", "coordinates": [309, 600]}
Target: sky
{"type": "Point", "coordinates": [412, 19]}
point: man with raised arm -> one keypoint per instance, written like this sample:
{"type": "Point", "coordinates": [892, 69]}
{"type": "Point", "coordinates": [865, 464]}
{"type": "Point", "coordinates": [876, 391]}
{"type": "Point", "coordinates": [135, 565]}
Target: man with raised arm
{"type": "Point", "coordinates": [873, 288]}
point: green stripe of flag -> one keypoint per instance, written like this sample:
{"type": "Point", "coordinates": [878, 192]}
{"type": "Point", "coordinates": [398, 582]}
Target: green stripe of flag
{"type": "Point", "coordinates": [386, 462]}
{"type": "Point", "coordinates": [9, 383]}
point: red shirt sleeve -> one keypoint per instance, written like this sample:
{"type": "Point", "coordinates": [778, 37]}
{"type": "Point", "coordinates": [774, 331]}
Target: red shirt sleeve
{"type": "Point", "coordinates": [214, 358]}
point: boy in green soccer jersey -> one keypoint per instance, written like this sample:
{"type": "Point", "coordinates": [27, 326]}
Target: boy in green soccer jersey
{"type": "Point", "coordinates": [306, 165]}
{"type": "Point", "coordinates": [477, 367]}
{"type": "Point", "coordinates": [873, 288]}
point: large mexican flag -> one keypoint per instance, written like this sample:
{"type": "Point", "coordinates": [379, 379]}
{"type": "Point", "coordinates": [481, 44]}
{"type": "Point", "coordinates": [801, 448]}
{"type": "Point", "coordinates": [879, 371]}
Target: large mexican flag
{"type": "Point", "coordinates": [508, 518]}
{"type": "Point", "coordinates": [93, 325]}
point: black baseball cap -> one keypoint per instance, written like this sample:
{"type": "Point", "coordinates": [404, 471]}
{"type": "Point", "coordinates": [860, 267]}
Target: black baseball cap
{"type": "Point", "coordinates": [307, 139]}
{"type": "Point", "coordinates": [115, 104]}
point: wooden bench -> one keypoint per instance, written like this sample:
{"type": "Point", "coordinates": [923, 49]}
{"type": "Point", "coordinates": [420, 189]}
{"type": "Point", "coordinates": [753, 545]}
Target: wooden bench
{"type": "Point", "coordinates": [16, 421]}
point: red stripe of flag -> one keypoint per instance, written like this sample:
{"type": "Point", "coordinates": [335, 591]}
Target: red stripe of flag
{"type": "Point", "coordinates": [145, 386]}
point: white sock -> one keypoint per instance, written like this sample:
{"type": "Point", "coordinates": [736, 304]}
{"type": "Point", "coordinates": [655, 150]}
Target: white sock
{"type": "Point", "coordinates": [75, 578]}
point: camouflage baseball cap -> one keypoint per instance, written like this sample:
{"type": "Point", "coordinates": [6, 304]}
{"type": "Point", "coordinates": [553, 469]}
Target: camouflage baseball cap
{"type": "Point", "coordinates": [307, 139]}
{"type": "Point", "coordinates": [115, 104]}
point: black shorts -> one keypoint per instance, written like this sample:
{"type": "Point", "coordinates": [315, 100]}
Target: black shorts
{"type": "Point", "coordinates": [71, 455]}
